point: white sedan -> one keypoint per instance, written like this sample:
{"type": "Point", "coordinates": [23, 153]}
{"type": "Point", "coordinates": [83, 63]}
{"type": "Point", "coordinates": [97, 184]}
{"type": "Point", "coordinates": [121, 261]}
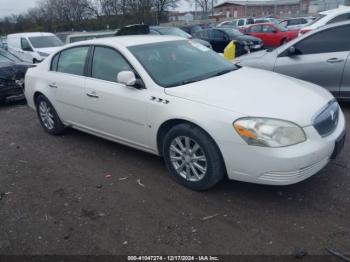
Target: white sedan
{"type": "Point", "coordinates": [207, 117]}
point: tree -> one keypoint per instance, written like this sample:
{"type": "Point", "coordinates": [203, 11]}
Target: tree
{"type": "Point", "coordinates": [206, 5]}
{"type": "Point", "coordinates": [162, 6]}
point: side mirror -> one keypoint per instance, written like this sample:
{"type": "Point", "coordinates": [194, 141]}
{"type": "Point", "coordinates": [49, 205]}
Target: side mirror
{"type": "Point", "coordinates": [274, 31]}
{"type": "Point", "coordinates": [128, 78]}
{"type": "Point", "coordinates": [292, 51]}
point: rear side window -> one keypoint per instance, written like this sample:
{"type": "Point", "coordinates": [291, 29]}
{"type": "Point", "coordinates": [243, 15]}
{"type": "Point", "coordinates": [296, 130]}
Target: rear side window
{"type": "Point", "coordinates": [340, 18]}
{"type": "Point", "coordinates": [331, 40]}
{"type": "Point", "coordinates": [54, 62]}
{"type": "Point", "coordinates": [107, 63]}
{"type": "Point", "coordinates": [72, 61]}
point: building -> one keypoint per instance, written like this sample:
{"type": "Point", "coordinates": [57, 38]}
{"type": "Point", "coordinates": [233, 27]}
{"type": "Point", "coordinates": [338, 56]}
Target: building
{"type": "Point", "coordinates": [261, 8]}
{"type": "Point", "coordinates": [323, 5]}
{"type": "Point", "coordinates": [181, 16]}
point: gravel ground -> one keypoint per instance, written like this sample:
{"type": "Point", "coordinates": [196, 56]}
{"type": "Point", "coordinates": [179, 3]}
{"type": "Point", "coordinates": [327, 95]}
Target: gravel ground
{"type": "Point", "coordinates": [78, 194]}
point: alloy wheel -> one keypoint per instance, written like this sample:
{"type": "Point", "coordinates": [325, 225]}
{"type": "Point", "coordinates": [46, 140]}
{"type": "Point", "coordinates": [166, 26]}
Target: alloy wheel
{"type": "Point", "coordinates": [46, 115]}
{"type": "Point", "coordinates": [188, 158]}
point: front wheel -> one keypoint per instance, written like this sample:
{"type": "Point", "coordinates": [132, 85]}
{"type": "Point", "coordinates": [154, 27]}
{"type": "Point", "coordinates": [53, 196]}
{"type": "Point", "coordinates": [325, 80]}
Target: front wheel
{"type": "Point", "coordinates": [192, 157]}
{"type": "Point", "coordinates": [48, 116]}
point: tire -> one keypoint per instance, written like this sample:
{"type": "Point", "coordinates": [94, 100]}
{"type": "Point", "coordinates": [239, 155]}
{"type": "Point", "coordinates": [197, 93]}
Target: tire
{"type": "Point", "coordinates": [48, 117]}
{"type": "Point", "coordinates": [284, 41]}
{"type": "Point", "coordinates": [199, 170]}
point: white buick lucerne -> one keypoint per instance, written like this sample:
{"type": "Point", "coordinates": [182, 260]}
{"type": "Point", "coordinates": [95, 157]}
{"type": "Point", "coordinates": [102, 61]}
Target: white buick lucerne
{"type": "Point", "coordinates": [175, 98]}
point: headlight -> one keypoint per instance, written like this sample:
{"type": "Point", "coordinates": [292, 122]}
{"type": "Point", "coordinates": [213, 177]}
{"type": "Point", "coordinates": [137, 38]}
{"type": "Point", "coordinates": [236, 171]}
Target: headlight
{"type": "Point", "coordinates": [268, 132]}
{"type": "Point", "coordinates": [43, 54]}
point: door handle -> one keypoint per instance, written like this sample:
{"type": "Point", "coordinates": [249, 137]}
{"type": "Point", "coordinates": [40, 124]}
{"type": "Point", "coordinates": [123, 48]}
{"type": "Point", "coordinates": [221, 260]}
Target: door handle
{"type": "Point", "coordinates": [53, 85]}
{"type": "Point", "coordinates": [92, 94]}
{"type": "Point", "coordinates": [335, 60]}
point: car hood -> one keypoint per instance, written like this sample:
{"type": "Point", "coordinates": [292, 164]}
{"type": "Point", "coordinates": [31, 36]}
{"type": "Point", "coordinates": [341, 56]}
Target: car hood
{"type": "Point", "coordinates": [254, 55]}
{"type": "Point", "coordinates": [203, 42]}
{"type": "Point", "coordinates": [259, 93]}
{"type": "Point", "coordinates": [48, 50]}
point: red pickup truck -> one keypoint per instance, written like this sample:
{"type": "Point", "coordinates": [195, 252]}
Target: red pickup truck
{"type": "Point", "coordinates": [271, 34]}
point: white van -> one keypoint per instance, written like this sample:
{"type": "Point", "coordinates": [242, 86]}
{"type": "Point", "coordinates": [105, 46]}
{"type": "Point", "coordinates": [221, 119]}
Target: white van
{"type": "Point", "coordinates": [33, 47]}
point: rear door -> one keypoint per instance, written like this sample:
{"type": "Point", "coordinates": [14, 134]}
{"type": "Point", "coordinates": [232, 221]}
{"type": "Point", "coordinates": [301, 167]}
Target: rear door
{"type": "Point", "coordinates": [67, 83]}
{"type": "Point", "coordinates": [320, 58]}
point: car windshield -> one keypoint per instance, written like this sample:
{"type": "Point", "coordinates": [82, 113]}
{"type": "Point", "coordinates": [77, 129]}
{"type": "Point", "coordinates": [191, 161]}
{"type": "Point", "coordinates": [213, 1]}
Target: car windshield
{"type": "Point", "coordinates": [5, 56]}
{"type": "Point", "coordinates": [178, 63]}
{"type": "Point", "coordinates": [173, 31]}
{"type": "Point", "coordinates": [45, 41]}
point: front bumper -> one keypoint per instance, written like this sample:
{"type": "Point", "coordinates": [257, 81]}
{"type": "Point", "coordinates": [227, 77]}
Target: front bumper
{"type": "Point", "coordinates": [12, 92]}
{"type": "Point", "coordinates": [281, 166]}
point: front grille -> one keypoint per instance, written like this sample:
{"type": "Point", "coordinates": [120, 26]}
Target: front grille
{"type": "Point", "coordinates": [326, 121]}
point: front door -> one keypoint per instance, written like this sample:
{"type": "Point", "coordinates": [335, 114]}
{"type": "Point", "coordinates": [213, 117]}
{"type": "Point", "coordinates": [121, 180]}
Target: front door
{"type": "Point", "coordinates": [113, 109]}
{"type": "Point", "coordinates": [319, 59]}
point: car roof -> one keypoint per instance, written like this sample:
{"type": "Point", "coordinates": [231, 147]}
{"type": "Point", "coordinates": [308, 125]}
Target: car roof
{"type": "Point", "coordinates": [132, 40]}
{"type": "Point", "coordinates": [339, 10]}
{"type": "Point", "coordinates": [31, 34]}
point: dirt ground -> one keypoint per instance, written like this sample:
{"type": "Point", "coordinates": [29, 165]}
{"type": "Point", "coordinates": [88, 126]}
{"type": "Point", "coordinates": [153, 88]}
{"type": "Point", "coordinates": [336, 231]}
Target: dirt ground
{"type": "Point", "coordinates": [78, 194]}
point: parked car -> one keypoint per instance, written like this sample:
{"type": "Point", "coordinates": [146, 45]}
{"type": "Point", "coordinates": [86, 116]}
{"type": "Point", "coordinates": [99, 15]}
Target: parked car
{"type": "Point", "coordinates": [82, 36]}
{"type": "Point", "coordinates": [242, 22]}
{"type": "Point", "coordinates": [295, 23]}
{"type": "Point", "coordinates": [12, 71]}
{"type": "Point", "coordinates": [219, 38]}
{"type": "Point", "coordinates": [159, 30]}
{"type": "Point", "coordinates": [206, 116]}
{"type": "Point", "coordinates": [328, 17]}
{"type": "Point", "coordinates": [321, 57]}
{"type": "Point", "coordinates": [191, 29]}
{"type": "Point", "coordinates": [33, 47]}
{"type": "Point", "coordinates": [272, 35]}
{"type": "Point", "coordinates": [266, 20]}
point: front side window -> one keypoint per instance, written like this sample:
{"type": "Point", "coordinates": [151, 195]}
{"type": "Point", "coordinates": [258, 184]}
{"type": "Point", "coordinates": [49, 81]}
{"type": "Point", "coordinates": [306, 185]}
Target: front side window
{"type": "Point", "coordinates": [267, 29]}
{"type": "Point", "coordinates": [240, 22]}
{"type": "Point", "coordinates": [72, 61]}
{"type": "Point", "coordinates": [25, 45]}
{"type": "Point", "coordinates": [177, 63]}
{"type": "Point", "coordinates": [107, 64]}
{"type": "Point", "coordinates": [255, 29]}
{"type": "Point", "coordinates": [331, 40]}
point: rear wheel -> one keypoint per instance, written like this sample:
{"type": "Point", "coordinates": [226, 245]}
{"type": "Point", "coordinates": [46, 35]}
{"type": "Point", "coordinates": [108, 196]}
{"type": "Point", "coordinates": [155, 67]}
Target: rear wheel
{"type": "Point", "coordinates": [284, 41]}
{"type": "Point", "coordinates": [192, 157]}
{"type": "Point", "coordinates": [48, 116]}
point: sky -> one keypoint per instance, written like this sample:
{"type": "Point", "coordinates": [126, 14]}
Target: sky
{"type": "Point", "coordinates": [8, 7]}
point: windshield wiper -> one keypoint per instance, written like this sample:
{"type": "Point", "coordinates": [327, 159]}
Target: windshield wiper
{"type": "Point", "coordinates": [202, 78]}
